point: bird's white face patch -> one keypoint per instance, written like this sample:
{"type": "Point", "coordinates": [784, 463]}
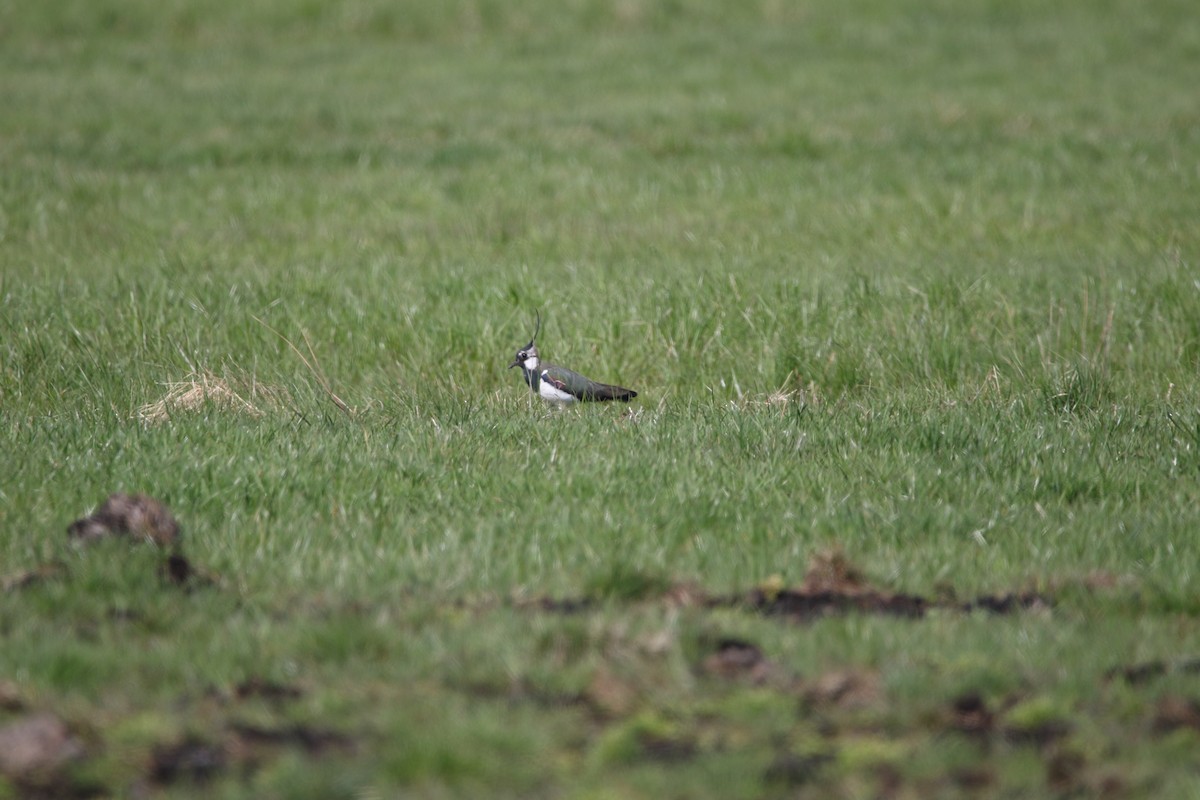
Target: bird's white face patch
{"type": "Point", "coordinates": [531, 362]}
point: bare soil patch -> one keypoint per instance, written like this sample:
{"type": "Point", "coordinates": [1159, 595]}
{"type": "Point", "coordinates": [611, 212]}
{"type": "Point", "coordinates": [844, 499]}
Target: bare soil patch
{"type": "Point", "coordinates": [832, 586]}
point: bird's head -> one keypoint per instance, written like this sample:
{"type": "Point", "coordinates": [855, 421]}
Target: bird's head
{"type": "Point", "coordinates": [527, 356]}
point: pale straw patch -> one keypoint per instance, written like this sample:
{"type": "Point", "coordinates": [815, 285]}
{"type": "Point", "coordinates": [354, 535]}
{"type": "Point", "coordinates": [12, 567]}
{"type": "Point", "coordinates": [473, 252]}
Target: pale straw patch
{"type": "Point", "coordinates": [204, 388]}
{"type": "Point", "coordinates": [785, 398]}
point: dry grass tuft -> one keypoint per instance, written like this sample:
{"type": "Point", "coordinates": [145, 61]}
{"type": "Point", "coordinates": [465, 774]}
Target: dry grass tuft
{"type": "Point", "coordinates": [204, 388]}
{"type": "Point", "coordinates": [793, 394]}
{"type": "Point", "coordinates": [782, 399]}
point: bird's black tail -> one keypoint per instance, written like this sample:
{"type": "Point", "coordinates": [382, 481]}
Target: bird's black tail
{"type": "Point", "coordinates": [604, 391]}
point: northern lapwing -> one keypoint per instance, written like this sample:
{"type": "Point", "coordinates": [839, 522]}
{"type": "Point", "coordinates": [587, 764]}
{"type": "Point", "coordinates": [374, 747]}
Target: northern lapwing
{"type": "Point", "coordinates": [559, 385]}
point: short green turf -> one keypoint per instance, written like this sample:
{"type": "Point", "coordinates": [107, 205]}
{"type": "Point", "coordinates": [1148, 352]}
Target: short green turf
{"type": "Point", "coordinates": [915, 280]}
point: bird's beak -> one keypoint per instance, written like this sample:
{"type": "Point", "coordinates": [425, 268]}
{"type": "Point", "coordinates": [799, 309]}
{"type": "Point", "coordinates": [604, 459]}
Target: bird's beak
{"type": "Point", "coordinates": [516, 363]}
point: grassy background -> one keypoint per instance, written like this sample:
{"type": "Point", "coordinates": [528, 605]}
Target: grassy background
{"type": "Point", "coordinates": [913, 279]}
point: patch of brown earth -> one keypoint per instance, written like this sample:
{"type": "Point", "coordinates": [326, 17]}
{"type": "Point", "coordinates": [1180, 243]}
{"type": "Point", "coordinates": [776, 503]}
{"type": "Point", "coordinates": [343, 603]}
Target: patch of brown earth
{"type": "Point", "coordinates": [832, 585]}
{"type": "Point", "coordinates": [802, 604]}
{"type": "Point", "coordinates": [567, 605]}
{"type": "Point", "coordinates": [1065, 771]}
{"type": "Point", "coordinates": [138, 516]}
{"type": "Point", "coordinates": [830, 571]}
{"type": "Point", "coordinates": [1135, 674]}
{"type": "Point", "coordinates": [1040, 734]}
{"type": "Point", "coordinates": [244, 746]}
{"type": "Point", "coordinates": [658, 747]}
{"type": "Point", "coordinates": [845, 689]}
{"type": "Point", "coordinates": [314, 741]}
{"type": "Point", "coordinates": [37, 744]}
{"type": "Point", "coordinates": [11, 697]}
{"type": "Point", "coordinates": [972, 779]}
{"type": "Point", "coordinates": [737, 659]}
{"type": "Point", "coordinates": [792, 769]}
{"type": "Point", "coordinates": [191, 759]}
{"type": "Point", "coordinates": [608, 696]}
{"type": "Point", "coordinates": [1174, 712]}
{"type": "Point", "coordinates": [1008, 602]}
{"type": "Point", "coordinates": [267, 690]}
{"type": "Point", "coordinates": [1145, 671]}
{"type": "Point", "coordinates": [177, 570]}
{"type": "Point", "coordinates": [52, 570]}
{"type": "Point", "coordinates": [970, 715]}
{"type": "Point", "coordinates": [36, 752]}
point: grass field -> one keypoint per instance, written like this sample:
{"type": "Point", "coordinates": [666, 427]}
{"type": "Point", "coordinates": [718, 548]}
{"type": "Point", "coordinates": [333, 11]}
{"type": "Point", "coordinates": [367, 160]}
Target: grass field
{"type": "Point", "coordinates": [909, 292]}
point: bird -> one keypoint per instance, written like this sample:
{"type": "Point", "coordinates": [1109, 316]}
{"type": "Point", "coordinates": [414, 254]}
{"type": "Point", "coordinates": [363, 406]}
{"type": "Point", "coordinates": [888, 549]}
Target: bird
{"type": "Point", "coordinates": [559, 385]}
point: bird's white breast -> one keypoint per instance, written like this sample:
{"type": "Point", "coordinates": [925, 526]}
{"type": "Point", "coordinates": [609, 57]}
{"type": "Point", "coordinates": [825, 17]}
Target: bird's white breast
{"type": "Point", "coordinates": [548, 391]}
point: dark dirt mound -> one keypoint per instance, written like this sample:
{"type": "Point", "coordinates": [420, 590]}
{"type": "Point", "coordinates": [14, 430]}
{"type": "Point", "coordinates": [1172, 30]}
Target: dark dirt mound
{"type": "Point", "coordinates": [137, 516]}
{"type": "Point", "coordinates": [832, 585]}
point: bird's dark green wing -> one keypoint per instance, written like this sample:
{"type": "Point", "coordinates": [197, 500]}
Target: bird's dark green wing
{"type": "Point", "coordinates": [583, 388]}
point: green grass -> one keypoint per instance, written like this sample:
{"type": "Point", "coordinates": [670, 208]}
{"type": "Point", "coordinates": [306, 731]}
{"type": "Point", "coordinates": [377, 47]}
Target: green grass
{"type": "Point", "coordinates": [915, 280]}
